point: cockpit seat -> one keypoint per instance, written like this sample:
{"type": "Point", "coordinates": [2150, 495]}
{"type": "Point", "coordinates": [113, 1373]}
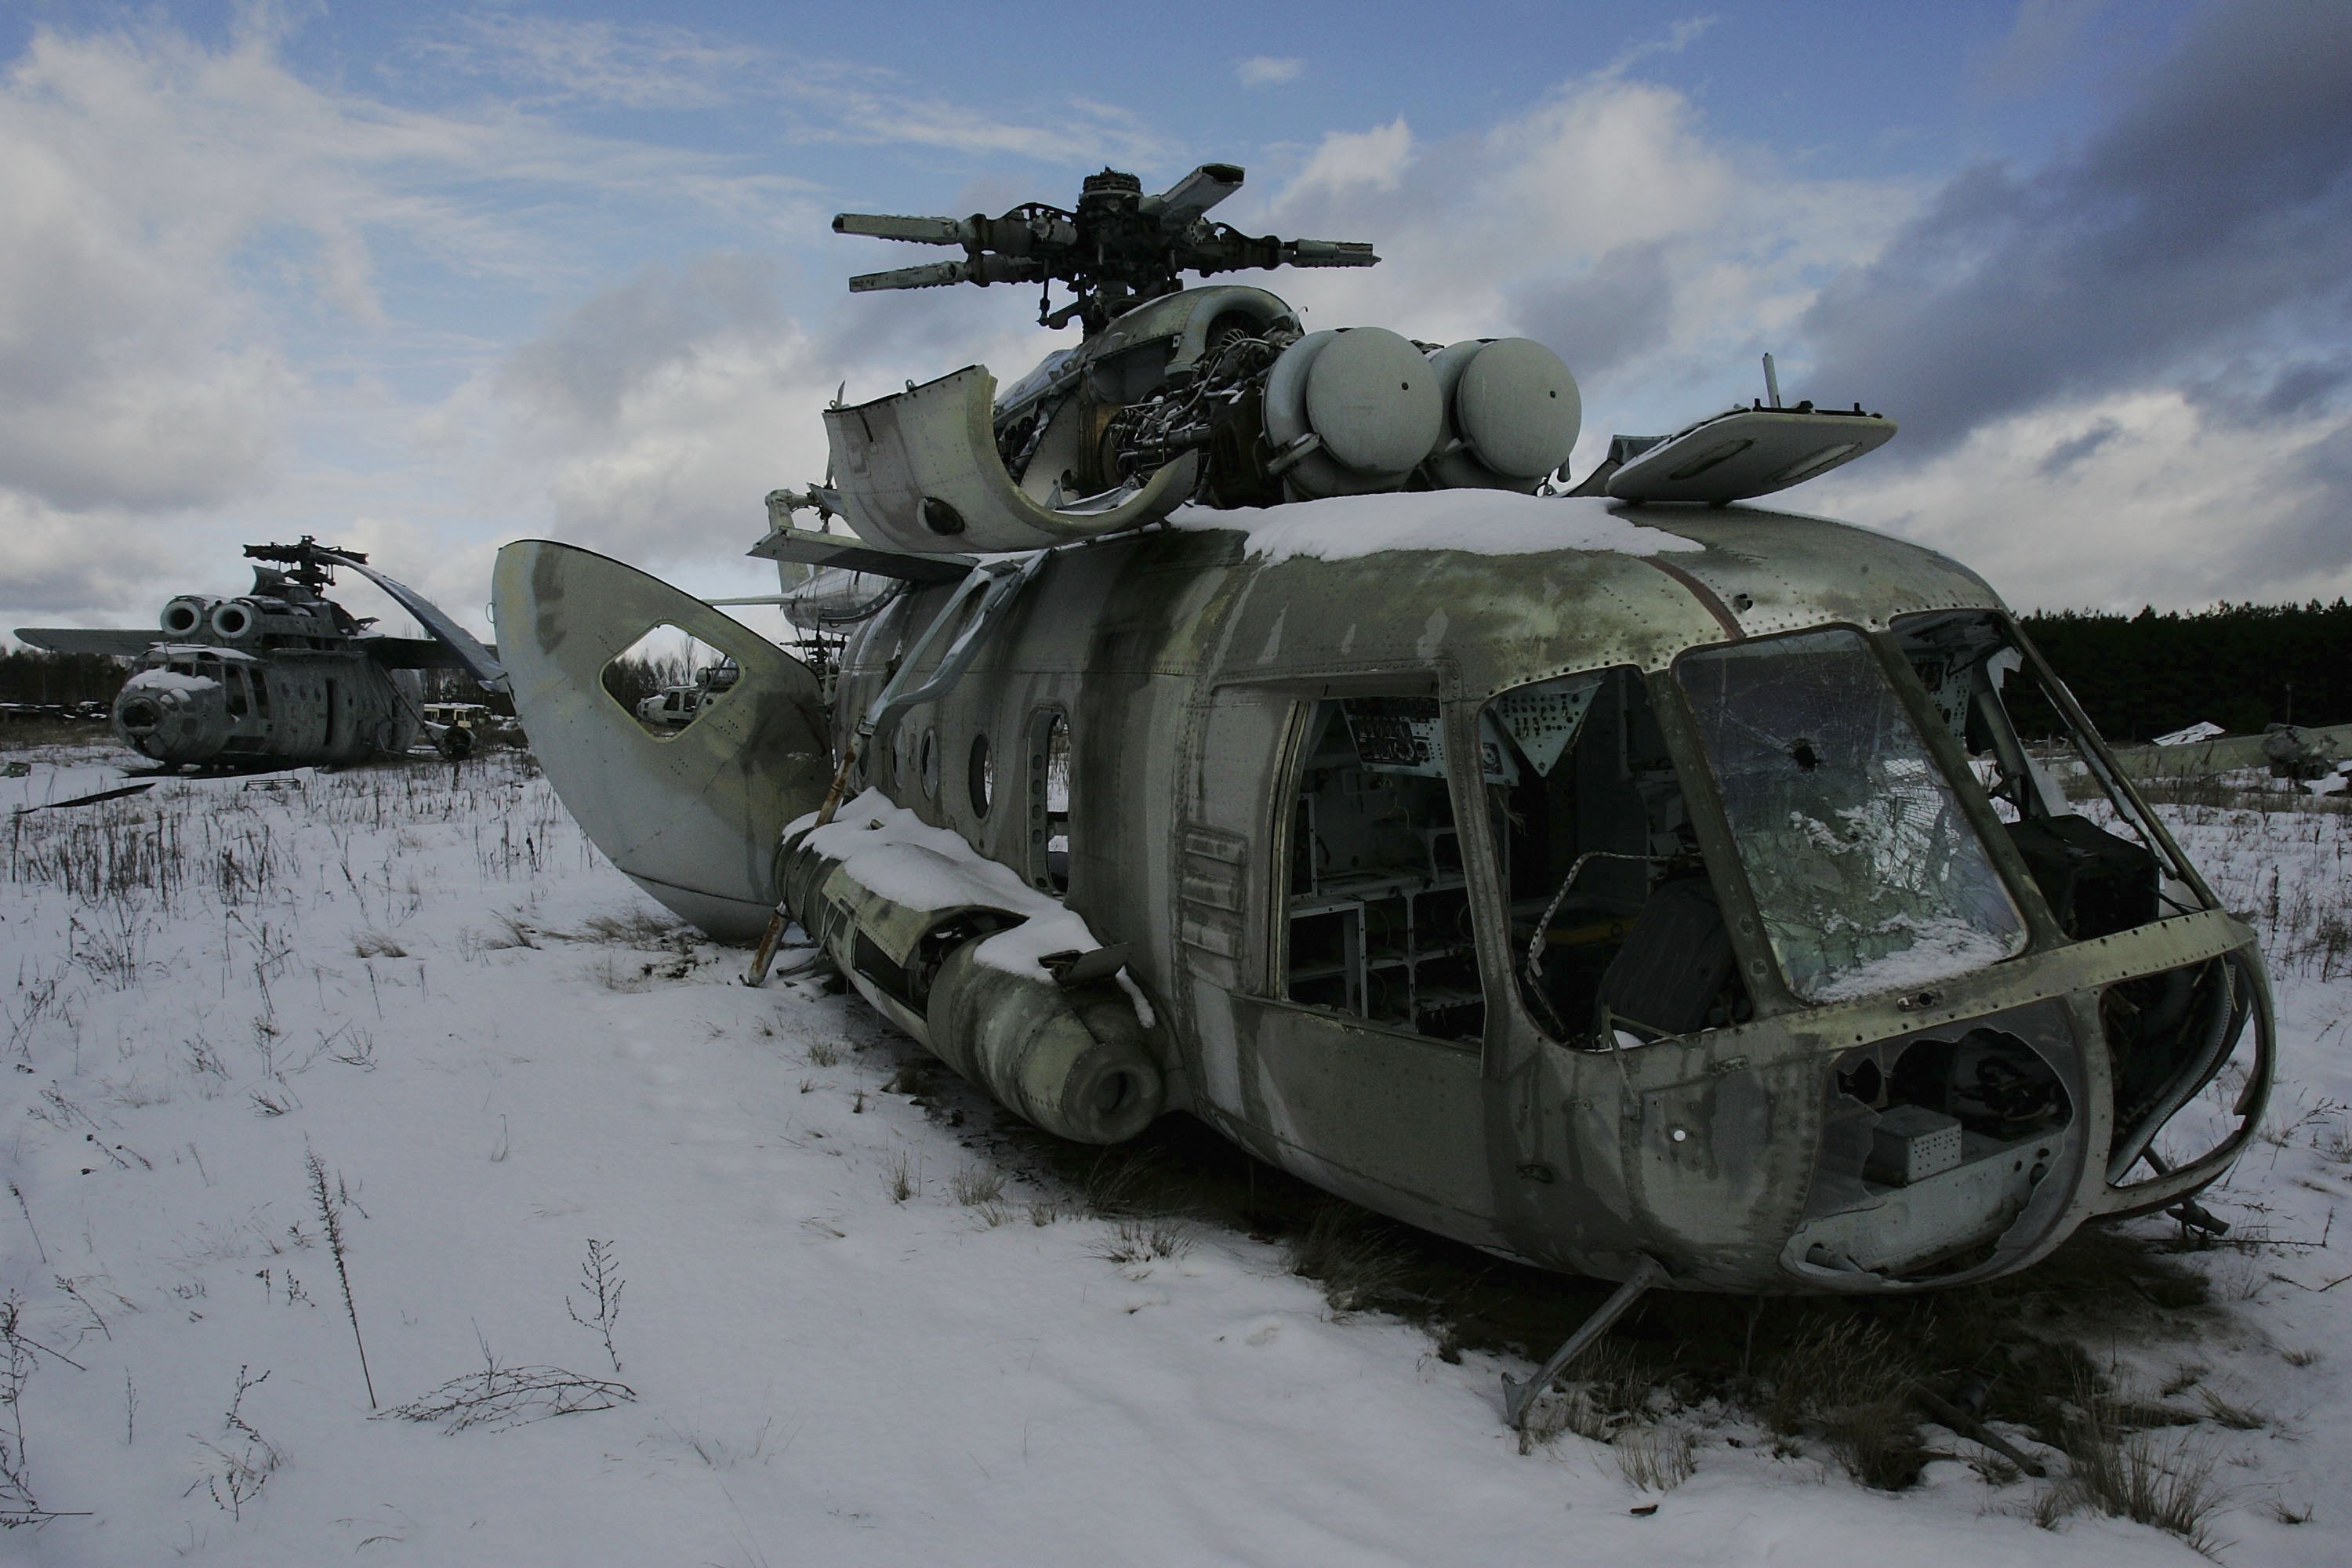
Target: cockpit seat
{"type": "Point", "coordinates": [1671, 975]}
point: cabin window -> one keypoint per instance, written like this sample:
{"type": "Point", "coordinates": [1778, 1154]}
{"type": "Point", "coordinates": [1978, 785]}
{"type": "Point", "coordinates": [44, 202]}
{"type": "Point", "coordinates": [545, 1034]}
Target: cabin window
{"type": "Point", "coordinates": [927, 762]}
{"type": "Point", "coordinates": [232, 678]}
{"type": "Point", "coordinates": [1049, 801]}
{"type": "Point", "coordinates": [1616, 936]}
{"type": "Point", "coordinates": [1379, 914]}
{"type": "Point", "coordinates": [980, 780]}
{"type": "Point", "coordinates": [1868, 874]}
{"type": "Point", "coordinates": [666, 679]}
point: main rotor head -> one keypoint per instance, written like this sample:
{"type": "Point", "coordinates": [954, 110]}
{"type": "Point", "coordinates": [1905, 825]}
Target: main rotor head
{"type": "Point", "coordinates": [1119, 248]}
{"type": "Point", "coordinates": [313, 564]}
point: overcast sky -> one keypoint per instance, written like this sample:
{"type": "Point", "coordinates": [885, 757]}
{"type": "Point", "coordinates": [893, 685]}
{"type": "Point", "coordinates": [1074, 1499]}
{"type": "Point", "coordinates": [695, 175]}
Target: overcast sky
{"type": "Point", "coordinates": [420, 280]}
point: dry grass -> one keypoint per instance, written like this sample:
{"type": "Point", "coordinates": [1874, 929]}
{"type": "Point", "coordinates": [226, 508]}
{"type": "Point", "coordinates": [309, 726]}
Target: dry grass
{"type": "Point", "coordinates": [234, 1471]}
{"type": "Point", "coordinates": [2164, 1482]}
{"type": "Point", "coordinates": [1657, 1459]}
{"type": "Point", "coordinates": [1354, 1256]}
{"type": "Point", "coordinates": [977, 1184]}
{"type": "Point", "coordinates": [1844, 1381]}
{"type": "Point", "coordinates": [512, 933]}
{"type": "Point", "coordinates": [626, 979]}
{"type": "Point", "coordinates": [1613, 1385]}
{"type": "Point", "coordinates": [503, 1396]}
{"type": "Point", "coordinates": [1139, 1241]}
{"type": "Point", "coordinates": [630, 928]}
{"type": "Point", "coordinates": [1129, 1179]}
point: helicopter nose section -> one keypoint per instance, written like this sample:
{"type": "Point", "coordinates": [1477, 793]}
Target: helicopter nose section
{"type": "Point", "coordinates": [173, 718]}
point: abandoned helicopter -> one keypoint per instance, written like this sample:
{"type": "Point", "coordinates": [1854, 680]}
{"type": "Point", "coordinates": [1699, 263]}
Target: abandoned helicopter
{"type": "Point", "coordinates": [282, 677]}
{"type": "Point", "coordinates": [1628, 882]}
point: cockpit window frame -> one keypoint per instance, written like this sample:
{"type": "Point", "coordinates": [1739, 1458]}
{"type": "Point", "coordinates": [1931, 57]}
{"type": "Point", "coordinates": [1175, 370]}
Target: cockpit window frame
{"type": "Point", "coordinates": [2045, 934]}
{"type": "Point", "coordinates": [1956, 778]}
{"type": "Point", "coordinates": [1767, 992]}
{"type": "Point", "coordinates": [2096, 752]}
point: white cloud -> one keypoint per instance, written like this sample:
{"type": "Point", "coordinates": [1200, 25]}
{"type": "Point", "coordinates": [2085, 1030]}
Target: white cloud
{"type": "Point", "coordinates": [2115, 502]}
{"type": "Point", "coordinates": [1609, 195]}
{"type": "Point", "coordinates": [192, 305]}
{"type": "Point", "coordinates": [198, 317]}
{"type": "Point", "coordinates": [649, 420]}
{"type": "Point", "coordinates": [1677, 38]}
{"type": "Point", "coordinates": [636, 66]}
{"type": "Point", "coordinates": [1269, 70]}
{"type": "Point", "coordinates": [1347, 160]}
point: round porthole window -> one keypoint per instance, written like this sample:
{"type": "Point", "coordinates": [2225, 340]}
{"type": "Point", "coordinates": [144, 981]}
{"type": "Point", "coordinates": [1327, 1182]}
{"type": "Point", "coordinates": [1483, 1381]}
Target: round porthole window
{"type": "Point", "coordinates": [983, 776]}
{"type": "Point", "coordinates": [927, 765]}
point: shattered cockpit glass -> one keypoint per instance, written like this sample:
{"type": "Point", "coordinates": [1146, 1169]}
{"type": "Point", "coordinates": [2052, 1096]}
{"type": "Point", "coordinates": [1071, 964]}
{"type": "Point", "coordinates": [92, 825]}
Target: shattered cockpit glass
{"type": "Point", "coordinates": [1867, 874]}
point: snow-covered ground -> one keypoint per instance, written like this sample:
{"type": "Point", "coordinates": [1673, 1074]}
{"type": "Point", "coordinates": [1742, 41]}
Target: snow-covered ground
{"type": "Point", "coordinates": [837, 1340]}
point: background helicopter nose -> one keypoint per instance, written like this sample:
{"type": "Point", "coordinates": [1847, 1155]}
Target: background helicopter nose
{"type": "Point", "coordinates": [173, 718]}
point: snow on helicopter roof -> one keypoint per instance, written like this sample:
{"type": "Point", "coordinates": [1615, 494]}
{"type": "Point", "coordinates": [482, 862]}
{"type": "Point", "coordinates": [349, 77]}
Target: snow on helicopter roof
{"type": "Point", "coordinates": [1478, 521]}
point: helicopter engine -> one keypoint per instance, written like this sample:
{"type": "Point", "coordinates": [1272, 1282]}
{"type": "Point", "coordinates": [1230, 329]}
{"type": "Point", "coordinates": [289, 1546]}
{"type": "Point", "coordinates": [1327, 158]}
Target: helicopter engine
{"type": "Point", "coordinates": [186, 616]}
{"type": "Point", "coordinates": [236, 620]}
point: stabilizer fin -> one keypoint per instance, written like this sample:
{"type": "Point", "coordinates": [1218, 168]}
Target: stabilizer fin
{"type": "Point", "coordinates": [693, 817]}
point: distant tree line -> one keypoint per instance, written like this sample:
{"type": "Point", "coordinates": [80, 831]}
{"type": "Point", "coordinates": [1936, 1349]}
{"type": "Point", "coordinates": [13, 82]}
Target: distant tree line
{"type": "Point", "coordinates": [2238, 666]}
{"type": "Point", "coordinates": [30, 675]}
{"type": "Point", "coordinates": [632, 677]}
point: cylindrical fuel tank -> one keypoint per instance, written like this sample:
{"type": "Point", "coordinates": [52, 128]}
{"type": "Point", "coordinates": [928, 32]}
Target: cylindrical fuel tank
{"type": "Point", "coordinates": [1074, 1060]}
{"type": "Point", "coordinates": [1071, 1061]}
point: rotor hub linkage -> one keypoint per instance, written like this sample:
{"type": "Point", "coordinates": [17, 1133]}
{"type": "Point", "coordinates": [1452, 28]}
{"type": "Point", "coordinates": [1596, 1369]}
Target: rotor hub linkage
{"type": "Point", "coordinates": [313, 564]}
{"type": "Point", "coordinates": [1119, 248]}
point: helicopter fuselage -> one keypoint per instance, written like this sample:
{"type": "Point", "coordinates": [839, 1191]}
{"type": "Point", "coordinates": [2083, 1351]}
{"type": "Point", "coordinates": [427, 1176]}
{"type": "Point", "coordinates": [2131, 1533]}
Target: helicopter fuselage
{"type": "Point", "coordinates": [1333, 782]}
{"type": "Point", "coordinates": [206, 705]}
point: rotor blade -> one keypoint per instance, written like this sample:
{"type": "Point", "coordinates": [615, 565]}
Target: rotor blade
{"type": "Point", "coordinates": [940, 274]}
{"type": "Point", "coordinates": [1193, 195]}
{"type": "Point", "coordinates": [936, 275]}
{"type": "Point", "coordinates": [413, 653]}
{"type": "Point", "coordinates": [477, 660]}
{"type": "Point", "coordinates": [1328, 253]}
{"type": "Point", "coordinates": [916, 230]}
{"type": "Point", "coordinates": [88, 639]}
{"type": "Point", "coordinates": [89, 800]}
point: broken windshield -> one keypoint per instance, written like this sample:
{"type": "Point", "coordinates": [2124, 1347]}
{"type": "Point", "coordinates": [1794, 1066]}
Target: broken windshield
{"type": "Point", "coordinates": [1868, 876]}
